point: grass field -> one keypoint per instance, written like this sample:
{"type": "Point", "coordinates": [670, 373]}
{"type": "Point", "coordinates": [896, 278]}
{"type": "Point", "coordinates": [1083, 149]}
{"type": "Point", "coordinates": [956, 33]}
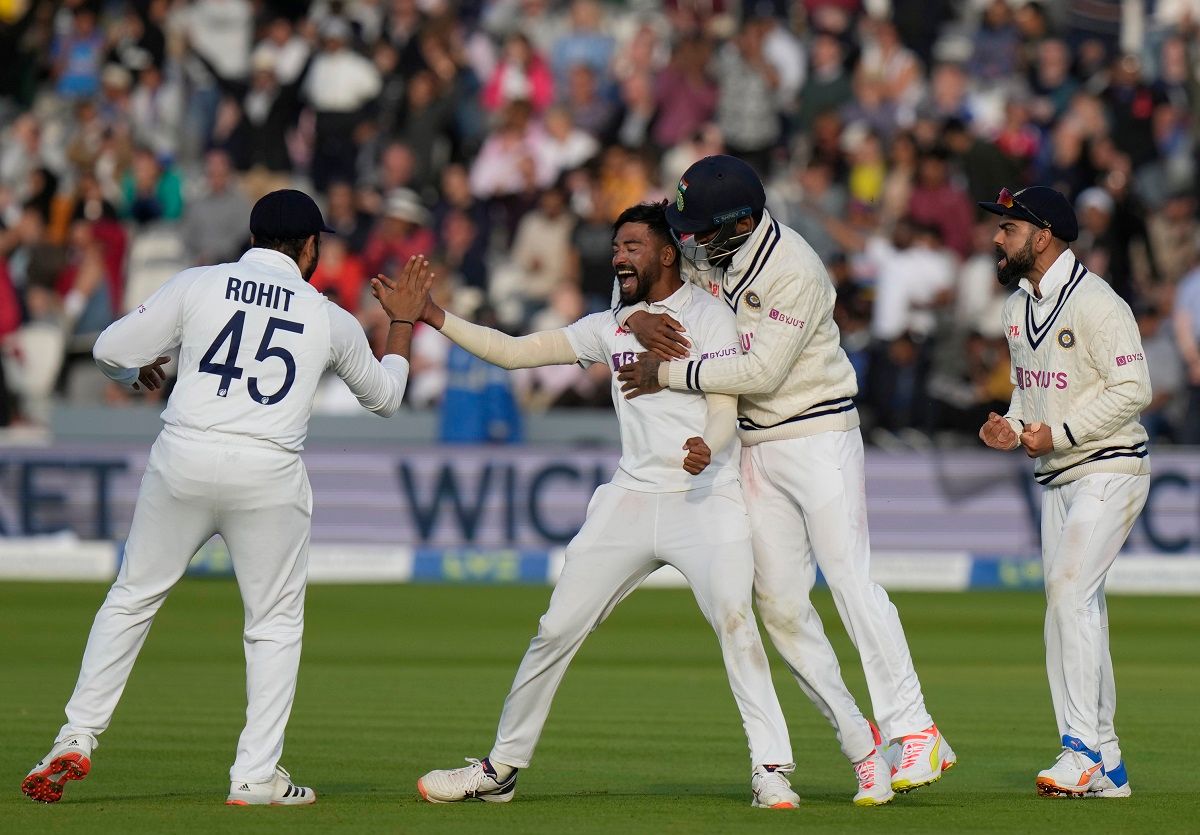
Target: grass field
{"type": "Point", "coordinates": [644, 736]}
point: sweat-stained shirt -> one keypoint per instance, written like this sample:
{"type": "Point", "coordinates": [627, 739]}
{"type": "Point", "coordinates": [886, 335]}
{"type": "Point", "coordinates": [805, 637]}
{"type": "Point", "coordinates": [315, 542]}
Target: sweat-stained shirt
{"type": "Point", "coordinates": [1078, 366]}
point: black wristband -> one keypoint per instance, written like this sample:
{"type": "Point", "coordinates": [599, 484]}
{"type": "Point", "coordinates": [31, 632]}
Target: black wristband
{"type": "Point", "coordinates": [402, 322]}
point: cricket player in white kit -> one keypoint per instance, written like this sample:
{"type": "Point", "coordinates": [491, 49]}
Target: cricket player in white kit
{"type": "Point", "coordinates": [1081, 381]}
{"type": "Point", "coordinates": [254, 339]}
{"type": "Point", "coordinates": [802, 462]}
{"type": "Point", "coordinates": [674, 500]}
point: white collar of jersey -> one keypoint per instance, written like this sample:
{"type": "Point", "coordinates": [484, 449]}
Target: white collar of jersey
{"type": "Point", "coordinates": [274, 259]}
{"type": "Point", "coordinates": [1053, 279]}
{"type": "Point", "coordinates": [674, 302]}
{"type": "Point", "coordinates": [741, 259]}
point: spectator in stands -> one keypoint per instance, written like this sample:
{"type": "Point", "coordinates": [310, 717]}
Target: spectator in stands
{"type": "Point", "coordinates": [540, 258]}
{"type": "Point", "coordinates": [589, 109]}
{"type": "Point", "coordinates": [585, 42]}
{"type": "Point", "coordinates": [565, 145]}
{"type": "Point", "coordinates": [939, 202]}
{"type": "Point", "coordinates": [402, 232]}
{"type": "Point", "coordinates": [77, 55]}
{"type": "Point", "coordinates": [747, 112]}
{"type": "Point", "coordinates": [1167, 378]}
{"type": "Point", "coordinates": [684, 93]}
{"type": "Point", "coordinates": [214, 223]}
{"type": "Point", "coordinates": [521, 73]}
{"type": "Point", "coordinates": [340, 85]}
{"type": "Point", "coordinates": [995, 52]}
{"type": "Point", "coordinates": [261, 115]}
{"type": "Point", "coordinates": [343, 214]}
{"type": "Point", "coordinates": [340, 274]}
{"type": "Point", "coordinates": [478, 405]}
{"type": "Point", "coordinates": [152, 191]}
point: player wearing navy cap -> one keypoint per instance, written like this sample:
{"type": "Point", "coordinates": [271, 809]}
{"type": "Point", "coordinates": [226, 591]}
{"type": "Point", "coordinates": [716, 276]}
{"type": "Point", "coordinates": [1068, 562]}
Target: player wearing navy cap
{"type": "Point", "coordinates": [254, 339]}
{"type": "Point", "coordinates": [802, 464]}
{"type": "Point", "coordinates": [1080, 380]}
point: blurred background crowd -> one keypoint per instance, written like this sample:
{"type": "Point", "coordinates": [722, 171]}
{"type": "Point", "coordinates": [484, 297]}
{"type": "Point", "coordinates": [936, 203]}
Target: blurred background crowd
{"type": "Point", "coordinates": [502, 137]}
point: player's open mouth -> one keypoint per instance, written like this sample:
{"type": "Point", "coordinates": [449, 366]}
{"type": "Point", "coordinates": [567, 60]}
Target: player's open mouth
{"type": "Point", "coordinates": [1003, 262]}
{"type": "Point", "coordinates": [628, 280]}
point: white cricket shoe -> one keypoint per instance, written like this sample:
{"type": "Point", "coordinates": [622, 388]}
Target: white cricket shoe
{"type": "Point", "coordinates": [69, 759]}
{"type": "Point", "coordinates": [1076, 771]}
{"type": "Point", "coordinates": [477, 781]}
{"type": "Point", "coordinates": [771, 789]}
{"type": "Point", "coordinates": [922, 759]}
{"type": "Point", "coordinates": [278, 791]}
{"type": "Point", "coordinates": [874, 781]}
{"type": "Point", "coordinates": [1114, 783]}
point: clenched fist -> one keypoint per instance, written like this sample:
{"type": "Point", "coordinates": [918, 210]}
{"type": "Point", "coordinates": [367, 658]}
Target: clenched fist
{"type": "Point", "coordinates": [998, 434]}
{"type": "Point", "coordinates": [698, 457]}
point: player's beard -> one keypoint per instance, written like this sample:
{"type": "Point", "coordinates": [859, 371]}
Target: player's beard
{"type": "Point", "coordinates": [1010, 268]}
{"type": "Point", "coordinates": [641, 289]}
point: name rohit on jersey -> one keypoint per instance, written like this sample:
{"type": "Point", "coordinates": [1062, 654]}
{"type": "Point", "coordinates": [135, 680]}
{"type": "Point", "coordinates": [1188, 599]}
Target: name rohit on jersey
{"type": "Point", "coordinates": [259, 293]}
{"type": "Point", "coordinates": [1030, 379]}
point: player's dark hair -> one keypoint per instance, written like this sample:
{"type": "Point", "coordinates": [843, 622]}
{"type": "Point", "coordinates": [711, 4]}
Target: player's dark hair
{"type": "Point", "coordinates": [654, 215]}
{"type": "Point", "coordinates": [291, 247]}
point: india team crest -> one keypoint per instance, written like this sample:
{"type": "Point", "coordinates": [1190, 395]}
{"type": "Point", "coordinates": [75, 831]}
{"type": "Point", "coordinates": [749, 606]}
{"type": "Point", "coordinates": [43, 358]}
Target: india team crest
{"type": "Point", "coordinates": [679, 192]}
{"type": "Point", "coordinates": [753, 301]}
{"type": "Point", "coordinates": [1066, 338]}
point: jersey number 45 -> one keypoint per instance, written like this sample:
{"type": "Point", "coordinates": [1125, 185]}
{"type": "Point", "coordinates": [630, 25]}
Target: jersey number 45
{"type": "Point", "coordinates": [228, 369]}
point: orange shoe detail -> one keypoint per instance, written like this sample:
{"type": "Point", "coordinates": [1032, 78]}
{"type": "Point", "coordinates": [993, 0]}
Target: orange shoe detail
{"type": "Point", "coordinates": [236, 803]}
{"type": "Point", "coordinates": [46, 786]}
{"type": "Point", "coordinates": [421, 789]}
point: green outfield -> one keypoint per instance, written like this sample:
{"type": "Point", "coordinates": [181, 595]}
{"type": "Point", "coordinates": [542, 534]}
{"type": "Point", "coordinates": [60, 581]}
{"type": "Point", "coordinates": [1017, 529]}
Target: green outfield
{"type": "Point", "coordinates": [644, 736]}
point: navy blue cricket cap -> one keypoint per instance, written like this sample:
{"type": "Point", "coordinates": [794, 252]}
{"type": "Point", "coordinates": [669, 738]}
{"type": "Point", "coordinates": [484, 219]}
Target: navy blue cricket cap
{"type": "Point", "coordinates": [713, 191]}
{"type": "Point", "coordinates": [286, 214]}
{"type": "Point", "coordinates": [1040, 205]}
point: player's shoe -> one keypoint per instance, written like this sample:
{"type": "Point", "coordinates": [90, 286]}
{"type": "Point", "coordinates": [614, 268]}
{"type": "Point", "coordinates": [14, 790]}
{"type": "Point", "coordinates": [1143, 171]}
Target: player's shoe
{"type": "Point", "coordinates": [69, 759]}
{"type": "Point", "coordinates": [874, 780]}
{"type": "Point", "coordinates": [278, 791]}
{"type": "Point", "coordinates": [477, 781]}
{"type": "Point", "coordinates": [1114, 783]}
{"type": "Point", "coordinates": [770, 787]}
{"type": "Point", "coordinates": [1076, 771]}
{"type": "Point", "coordinates": [922, 759]}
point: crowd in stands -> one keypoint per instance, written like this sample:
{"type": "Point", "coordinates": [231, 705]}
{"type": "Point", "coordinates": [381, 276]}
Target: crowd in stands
{"type": "Point", "coordinates": [502, 137]}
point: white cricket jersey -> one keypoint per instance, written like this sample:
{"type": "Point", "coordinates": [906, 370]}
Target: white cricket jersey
{"type": "Point", "coordinates": [1078, 366]}
{"type": "Point", "coordinates": [254, 339]}
{"type": "Point", "coordinates": [654, 428]}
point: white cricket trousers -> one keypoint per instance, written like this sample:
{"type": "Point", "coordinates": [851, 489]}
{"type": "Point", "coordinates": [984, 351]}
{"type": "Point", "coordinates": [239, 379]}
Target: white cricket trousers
{"type": "Point", "coordinates": [1084, 524]}
{"type": "Point", "coordinates": [808, 509]}
{"type": "Point", "coordinates": [627, 535]}
{"type": "Point", "coordinates": [258, 498]}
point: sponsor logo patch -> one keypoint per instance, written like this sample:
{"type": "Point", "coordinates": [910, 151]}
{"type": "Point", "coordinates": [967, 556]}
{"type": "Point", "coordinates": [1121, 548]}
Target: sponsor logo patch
{"type": "Point", "coordinates": [780, 316]}
{"type": "Point", "coordinates": [1031, 379]}
{"type": "Point", "coordinates": [1014, 331]}
{"type": "Point", "coordinates": [724, 352]}
{"type": "Point", "coordinates": [1125, 359]}
{"type": "Point", "coordinates": [1066, 338]}
{"type": "Point", "coordinates": [753, 301]}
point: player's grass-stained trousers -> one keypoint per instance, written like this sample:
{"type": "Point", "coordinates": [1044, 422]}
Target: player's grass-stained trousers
{"type": "Point", "coordinates": [257, 496]}
{"type": "Point", "coordinates": [1084, 524]}
{"type": "Point", "coordinates": [807, 503]}
{"type": "Point", "coordinates": [627, 535]}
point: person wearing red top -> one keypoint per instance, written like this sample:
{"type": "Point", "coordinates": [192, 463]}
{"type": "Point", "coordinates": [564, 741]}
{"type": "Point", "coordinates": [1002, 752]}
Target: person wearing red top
{"type": "Point", "coordinates": [939, 203]}
{"type": "Point", "coordinates": [340, 274]}
{"type": "Point", "coordinates": [401, 233]}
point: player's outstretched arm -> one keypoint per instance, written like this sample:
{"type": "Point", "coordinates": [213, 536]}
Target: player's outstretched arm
{"type": "Point", "coordinates": [531, 351]}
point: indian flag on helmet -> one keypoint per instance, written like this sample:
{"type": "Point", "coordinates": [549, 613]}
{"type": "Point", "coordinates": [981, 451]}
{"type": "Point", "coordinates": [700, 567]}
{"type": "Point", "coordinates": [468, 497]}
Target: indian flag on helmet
{"type": "Point", "coordinates": [679, 192]}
